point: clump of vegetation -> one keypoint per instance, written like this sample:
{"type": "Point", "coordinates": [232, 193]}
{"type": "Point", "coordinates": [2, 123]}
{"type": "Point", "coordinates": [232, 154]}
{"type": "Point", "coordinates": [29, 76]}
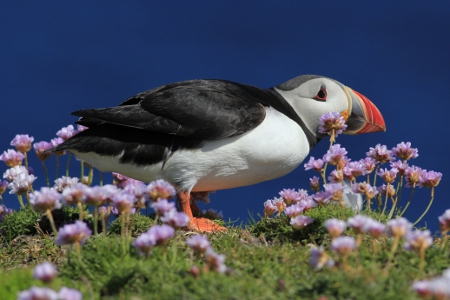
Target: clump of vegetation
{"type": "Point", "coordinates": [343, 239]}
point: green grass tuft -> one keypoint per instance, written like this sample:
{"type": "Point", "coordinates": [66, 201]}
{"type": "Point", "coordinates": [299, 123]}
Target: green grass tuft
{"type": "Point", "coordinates": [266, 260]}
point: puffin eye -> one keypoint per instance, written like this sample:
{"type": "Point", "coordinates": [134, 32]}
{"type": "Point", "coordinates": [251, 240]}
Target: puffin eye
{"type": "Point", "coordinates": [322, 94]}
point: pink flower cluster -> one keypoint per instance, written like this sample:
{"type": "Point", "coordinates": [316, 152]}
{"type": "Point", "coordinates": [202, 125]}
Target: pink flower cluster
{"type": "Point", "coordinates": [435, 288]}
{"type": "Point", "coordinates": [214, 261]}
{"type": "Point", "coordinates": [157, 235]}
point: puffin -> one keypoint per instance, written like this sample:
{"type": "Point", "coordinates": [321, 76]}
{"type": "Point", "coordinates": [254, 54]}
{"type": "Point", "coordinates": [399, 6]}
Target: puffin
{"type": "Point", "coordinates": [208, 135]}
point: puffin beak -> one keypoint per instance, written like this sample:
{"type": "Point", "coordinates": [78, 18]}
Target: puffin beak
{"type": "Point", "coordinates": [364, 116]}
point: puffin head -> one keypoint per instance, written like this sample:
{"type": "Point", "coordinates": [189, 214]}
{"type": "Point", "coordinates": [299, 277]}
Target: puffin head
{"type": "Point", "coordinates": [312, 96]}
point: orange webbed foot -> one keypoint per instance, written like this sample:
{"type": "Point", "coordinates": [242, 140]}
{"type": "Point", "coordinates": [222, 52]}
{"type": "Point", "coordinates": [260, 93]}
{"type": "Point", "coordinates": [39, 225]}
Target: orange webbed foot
{"type": "Point", "coordinates": [205, 225]}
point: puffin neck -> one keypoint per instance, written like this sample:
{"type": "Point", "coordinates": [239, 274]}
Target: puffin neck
{"type": "Point", "coordinates": [280, 104]}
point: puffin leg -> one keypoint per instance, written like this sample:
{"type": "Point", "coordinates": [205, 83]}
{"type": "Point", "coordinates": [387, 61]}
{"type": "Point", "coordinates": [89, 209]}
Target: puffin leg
{"type": "Point", "coordinates": [196, 224]}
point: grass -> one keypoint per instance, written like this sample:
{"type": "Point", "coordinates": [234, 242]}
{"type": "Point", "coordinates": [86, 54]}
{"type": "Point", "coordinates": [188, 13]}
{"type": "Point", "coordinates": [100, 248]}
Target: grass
{"type": "Point", "coordinates": [267, 259]}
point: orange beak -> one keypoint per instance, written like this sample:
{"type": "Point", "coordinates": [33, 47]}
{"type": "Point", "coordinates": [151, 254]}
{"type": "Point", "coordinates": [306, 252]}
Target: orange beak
{"type": "Point", "coordinates": [364, 116]}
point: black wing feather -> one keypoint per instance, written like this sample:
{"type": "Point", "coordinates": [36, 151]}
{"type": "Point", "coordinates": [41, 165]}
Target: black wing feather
{"type": "Point", "coordinates": [149, 127]}
{"type": "Point", "coordinates": [197, 109]}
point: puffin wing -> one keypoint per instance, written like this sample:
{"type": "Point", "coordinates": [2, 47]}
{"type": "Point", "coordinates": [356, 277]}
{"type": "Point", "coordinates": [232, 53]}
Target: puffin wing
{"type": "Point", "coordinates": [196, 109]}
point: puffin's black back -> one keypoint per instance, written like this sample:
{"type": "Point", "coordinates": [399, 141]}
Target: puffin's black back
{"type": "Point", "coordinates": [150, 126]}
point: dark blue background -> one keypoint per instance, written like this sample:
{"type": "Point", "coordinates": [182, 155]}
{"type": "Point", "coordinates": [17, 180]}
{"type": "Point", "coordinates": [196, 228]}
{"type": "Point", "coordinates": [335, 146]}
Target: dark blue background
{"type": "Point", "coordinates": [57, 57]}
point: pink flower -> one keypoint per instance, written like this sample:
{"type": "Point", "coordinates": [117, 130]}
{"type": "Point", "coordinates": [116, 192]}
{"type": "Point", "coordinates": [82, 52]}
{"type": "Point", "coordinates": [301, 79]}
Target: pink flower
{"type": "Point", "coordinates": [144, 243]}
{"type": "Point", "coordinates": [22, 142]}
{"type": "Point", "coordinates": [73, 233]}
{"type": "Point", "coordinates": [64, 182]}
{"type": "Point", "coordinates": [161, 233]}
{"type": "Point", "coordinates": [343, 245]}
{"type": "Point", "coordinates": [335, 155]}
{"type": "Point", "coordinates": [319, 258]}
{"type": "Point", "coordinates": [123, 201]}
{"type": "Point", "coordinates": [312, 164]}
{"type": "Point", "coordinates": [198, 243]}
{"type": "Point", "coordinates": [66, 132]}
{"type": "Point", "coordinates": [335, 227]}
{"type": "Point", "coordinates": [404, 151]}
{"type": "Point", "coordinates": [335, 191]}
{"type": "Point", "coordinates": [269, 208]}
{"type": "Point", "coordinates": [308, 203]}
{"type": "Point", "coordinates": [45, 272]}
{"type": "Point", "coordinates": [3, 186]}
{"type": "Point", "coordinates": [215, 262]}
{"type": "Point", "coordinates": [163, 206]}
{"type": "Point", "coordinates": [13, 172]}
{"type": "Point", "coordinates": [369, 163]}
{"type": "Point", "coordinates": [40, 149]}
{"type": "Point", "coordinates": [390, 191]}
{"type": "Point", "coordinates": [294, 210]}
{"type": "Point", "coordinates": [358, 223]}
{"type": "Point", "coordinates": [332, 122]}
{"type": "Point", "coordinates": [55, 142]}
{"type": "Point", "coordinates": [412, 176]}
{"type": "Point", "coordinates": [444, 221]}
{"type": "Point", "coordinates": [300, 222]}
{"type": "Point", "coordinates": [354, 169]}
{"type": "Point", "coordinates": [45, 199]}
{"type": "Point", "coordinates": [290, 196]}
{"type": "Point", "coordinates": [175, 219]}
{"type": "Point", "coordinates": [380, 154]}
{"type": "Point", "coordinates": [280, 204]}
{"type": "Point", "coordinates": [429, 179]}
{"type": "Point", "coordinates": [398, 227]}
{"type": "Point", "coordinates": [81, 128]}
{"type": "Point", "coordinates": [314, 183]}
{"type": "Point", "coordinates": [73, 194]}
{"type": "Point", "coordinates": [99, 195]}
{"type": "Point", "coordinates": [322, 198]}
{"type": "Point", "coordinates": [436, 288]}
{"type": "Point", "coordinates": [388, 175]}
{"type": "Point", "coordinates": [400, 166]}
{"type": "Point", "coordinates": [69, 294]}
{"type": "Point", "coordinates": [366, 189]}
{"type": "Point", "coordinates": [160, 189]}
{"type": "Point", "coordinates": [12, 158]}
{"type": "Point", "coordinates": [38, 293]}
{"type": "Point", "coordinates": [21, 184]}
{"type": "Point", "coordinates": [139, 192]}
{"type": "Point", "coordinates": [374, 228]}
{"type": "Point", "coordinates": [336, 176]}
{"type": "Point", "coordinates": [417, 240]}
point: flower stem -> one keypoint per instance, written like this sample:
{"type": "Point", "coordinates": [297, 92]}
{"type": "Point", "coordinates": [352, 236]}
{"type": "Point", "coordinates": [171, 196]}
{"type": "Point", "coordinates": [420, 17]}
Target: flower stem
{"type": "Point", "coordinates": [428, 207]}
{"type": "Point", "coordinates": [95, 220]}
{"type": "Point", "coordinates": [19, 197]}
{"type": "Point", "coordinates": [80, 260]}
{"type": "Point", "coordinates": [91, 175]}
{"type": "Point", "coordinates": [69, 155]}
{"type": "Point", "coordinates": [322, 173]}
{"type": "Point", "coordinates": [444, 241]}
{"type": "Point", "coordinates": [409, 201]}
{"type": "Point", "coordinates": [26, 160]}
{"type": "Point", "coordinates": [45, 173]}
{"type": "Point", "coordinates": [422, 258]}
{"type": "Point", "coordinates": [394, 247]}
{"type": "Point", "coordinates": [398, 191]}
{"type": "Point", "coordinates": [375, 245]}
{"type": "Point", "coordinates": [394, 205]}
{"type": "Point", "coordinates": [48, 212]}
{"type": "Point", "coordinates": [385, 201]}
{"type": "Point", "coordinates": [100, 177]}
{"type": "Point", "coordinates": [57, 166]}
{"type": "Point", "coordinates": [375, 175]}
{"type": "Point", "coordinates": [81, 212]}
{"type": "Point", "coordinates": [82, 171]}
